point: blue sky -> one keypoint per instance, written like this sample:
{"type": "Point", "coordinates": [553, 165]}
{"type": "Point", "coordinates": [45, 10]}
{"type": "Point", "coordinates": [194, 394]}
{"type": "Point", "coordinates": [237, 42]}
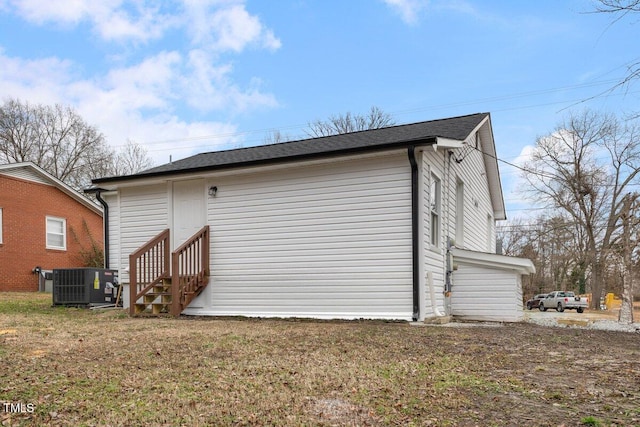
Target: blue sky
{"type": "Point", "coordinates": [182, 77]}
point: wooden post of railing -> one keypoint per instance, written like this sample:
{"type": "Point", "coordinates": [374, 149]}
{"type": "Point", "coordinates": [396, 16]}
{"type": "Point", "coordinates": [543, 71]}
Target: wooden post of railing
{"type": "Point", "coordinates": [145, 266]}
{"type": "Point", "coordinates": [189, 269]}
{"type": "Point", "coordinates": [133, 284]}
{"type": "Point", "coordinates": [205, 252]}
{"type": "Point", "coordinates": [166, 256]}
{"type": "Point", "coordinates": [176, 293]}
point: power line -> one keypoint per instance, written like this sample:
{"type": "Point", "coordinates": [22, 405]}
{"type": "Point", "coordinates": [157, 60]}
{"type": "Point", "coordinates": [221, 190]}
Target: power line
{"type": "Point", "coordinates": [544, 174]}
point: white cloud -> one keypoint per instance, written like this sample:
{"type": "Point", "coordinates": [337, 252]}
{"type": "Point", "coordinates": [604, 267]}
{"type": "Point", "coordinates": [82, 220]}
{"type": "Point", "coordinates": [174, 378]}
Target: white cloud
{"type": "Point", "coordinates": [520, 205]}
{"type": "Point", "coordinates": [147, 23]}
{"type": "Point", "coordinates": [148, 85]}
{"type": "Point", "coordinates": [209, 86]}
{"type": "Point", "coordinates": [138, 102]}
{"type": "Point", "coordinates": [226, 28]}
{"type": "Point", "coordinates": [111, 19]}
{"type": "Point", "coordinates": [34, 80]}
{"type": "Point", "coordinates": [127, 111]}
{"type": "Point", "coordinates": [143, 96]}
{"type": "Point", "coordinates": [116, 111]}
{"type": "Point", "coordinates": [165, 135]}
{"type": "Point", "coordinates": [525, 155]}
{"type": "Point", "coordinates": [62, 11]}
{"type": "Point", "coordinates": [409, 10]}
{"type": "Point", "coordinates": [223, 25]}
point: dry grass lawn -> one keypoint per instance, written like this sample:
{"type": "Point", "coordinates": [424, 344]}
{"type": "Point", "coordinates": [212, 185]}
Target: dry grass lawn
{"type": "Point", "coordinates": [76, 367]}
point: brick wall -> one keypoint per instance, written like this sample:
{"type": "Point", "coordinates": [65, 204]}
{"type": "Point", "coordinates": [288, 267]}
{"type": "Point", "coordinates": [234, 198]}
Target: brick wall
{"type": "Point", "coordinates": [25, 206]}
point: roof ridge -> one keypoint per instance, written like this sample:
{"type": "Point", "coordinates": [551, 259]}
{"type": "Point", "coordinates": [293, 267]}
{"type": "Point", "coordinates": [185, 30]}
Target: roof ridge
{"type": "Point", "coordinates": [336, 135]}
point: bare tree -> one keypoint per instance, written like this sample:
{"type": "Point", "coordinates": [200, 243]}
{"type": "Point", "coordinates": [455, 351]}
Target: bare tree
{"type": "Point", "coordinates": [584, 169]}
{"type": "Point", "coordinates": [132, 158]}
{"type": "Point", "coordinates": [347, 122]}
{"type": "Point", "coordinates": [519, 239]}
{"type": "Point", "coordinates": [58, 140]}
{"type": "Point", "coordinates": [55, 138]}
{"type": "Point", "coordinates": [275, 137]}
{"type": "Point", "coordinates": [22, 132]}
{"type": "Point", "coordinates": [620, 9]}
{"type": "Point", "coordinates": [618, 6]}
{"type": "Point", "coordinates": [555, 249]}
{"type": "Point", "coordinates": [513, 236]}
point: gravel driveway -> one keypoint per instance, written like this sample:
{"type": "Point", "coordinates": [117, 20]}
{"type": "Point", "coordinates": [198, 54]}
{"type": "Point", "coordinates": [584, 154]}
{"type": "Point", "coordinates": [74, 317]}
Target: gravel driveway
{"type": "Point", "coordinates": [606, 320]}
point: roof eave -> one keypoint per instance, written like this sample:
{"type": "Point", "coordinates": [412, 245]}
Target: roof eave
{"type": "Point", "coordinates": [491, 166]}
{"type": "Point", "coordinates": [277, 160]}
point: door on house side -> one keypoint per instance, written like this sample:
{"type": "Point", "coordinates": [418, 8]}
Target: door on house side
{"type": "Point", "coordinates": [189, 210]}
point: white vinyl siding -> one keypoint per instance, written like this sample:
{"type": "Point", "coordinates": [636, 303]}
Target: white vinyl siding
{"type": "Point", "coordinates": [476, 201]}
{"type": "Point", "coordinates": [112, 200]}
{"type": "Point", "coordinates": [433, 257]}
{"type": "Point", "coordinates": [327, 240]}
{"type": "Point", "coordinates": [464, 203]}
{"type": "Point", "coordinates": [143, 213]}
{"type": "Point", "coordinates": [26, 173]}
{"type": "Point", "coordinates": [485, 293]}
{"type": "Point", "coordinates": [56, 233]}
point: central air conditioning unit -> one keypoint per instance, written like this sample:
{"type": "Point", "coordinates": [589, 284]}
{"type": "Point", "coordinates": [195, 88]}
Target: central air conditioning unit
{"type": "Point", "coordinates": [88, 287]}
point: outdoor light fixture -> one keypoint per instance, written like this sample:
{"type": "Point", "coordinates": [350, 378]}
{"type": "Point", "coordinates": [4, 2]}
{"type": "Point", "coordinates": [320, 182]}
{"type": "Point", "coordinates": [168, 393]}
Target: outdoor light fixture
{"type": "Point", "coordinates": [213, 190]}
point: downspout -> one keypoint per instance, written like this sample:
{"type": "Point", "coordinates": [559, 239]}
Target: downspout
{"type": "Point", "coordinates": [415, 232]}
{"type": "Point", "coordinates": [105, 220]}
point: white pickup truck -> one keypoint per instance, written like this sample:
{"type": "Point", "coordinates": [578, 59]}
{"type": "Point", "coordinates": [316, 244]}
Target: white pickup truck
{"type": "Point", "coordinates": [561, 301]}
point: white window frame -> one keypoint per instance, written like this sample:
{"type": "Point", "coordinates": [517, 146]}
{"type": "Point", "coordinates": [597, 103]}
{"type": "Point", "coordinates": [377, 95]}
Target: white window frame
{"type": "Point", "coordinates": [435, 210]}
{"type": "Point", "coordinates": [62, 221]}
{"type": "Point", "coordinates": [490, 225]}
{"type": "Point", "coordinates": [0, 226]}
{"type": "Point", "coordinates": [459, 213]}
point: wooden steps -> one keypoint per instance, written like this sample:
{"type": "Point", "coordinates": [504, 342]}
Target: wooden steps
{"type": "Point", "coordinates": [157, 301]}
{"type": "Point", "coordinates": [164, 282]}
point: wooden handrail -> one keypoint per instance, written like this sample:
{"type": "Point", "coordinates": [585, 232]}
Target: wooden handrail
{"type": "Point", "coordinates": [164, 235]}
{"type": "Point", "coordinates": [148, 266]}
{"type": "Point", "coordinates": [187, 267]}
{"type": "Point", "coordinates": [189, 270]}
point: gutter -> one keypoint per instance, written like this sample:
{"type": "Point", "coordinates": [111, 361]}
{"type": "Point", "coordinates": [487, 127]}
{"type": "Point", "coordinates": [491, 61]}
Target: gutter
{"type": "Point", "coordinates": [415, 231]}
{"type": "Point", "coordinates": [105, 220]}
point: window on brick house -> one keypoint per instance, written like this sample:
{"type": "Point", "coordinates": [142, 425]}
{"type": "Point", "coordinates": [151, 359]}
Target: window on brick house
{"type": "Point", "coordinates": [56, 233]}
{"type": "Point", "coordinates": [0, 225]}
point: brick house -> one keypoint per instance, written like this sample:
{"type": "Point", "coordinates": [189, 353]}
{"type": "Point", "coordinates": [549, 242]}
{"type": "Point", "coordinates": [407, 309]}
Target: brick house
{"type": "Point", "coordinates": [43, 223]}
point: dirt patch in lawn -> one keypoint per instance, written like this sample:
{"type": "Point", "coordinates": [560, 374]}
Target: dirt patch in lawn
{"type": "Point", "coordinates": [65, 366]}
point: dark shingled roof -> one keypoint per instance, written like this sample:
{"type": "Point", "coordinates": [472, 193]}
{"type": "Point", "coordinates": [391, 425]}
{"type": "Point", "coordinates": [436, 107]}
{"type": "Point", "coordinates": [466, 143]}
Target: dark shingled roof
{"type": "Point", "coordinates": [457, 128]}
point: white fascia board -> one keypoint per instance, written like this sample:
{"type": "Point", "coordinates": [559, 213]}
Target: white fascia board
{"type": "Point", "coordinates": [493, 172]}
{"type": "Point", "coordinates": [503, 262]}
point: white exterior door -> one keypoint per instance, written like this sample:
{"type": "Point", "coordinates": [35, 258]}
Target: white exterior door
{"type": "Point", "coordinates": [189, 211]}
